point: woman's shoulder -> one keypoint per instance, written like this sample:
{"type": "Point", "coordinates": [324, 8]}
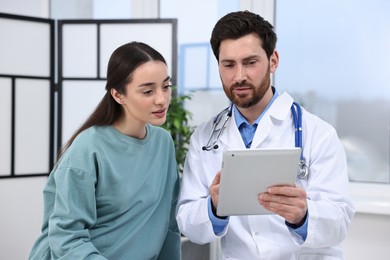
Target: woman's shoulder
{"type": "Point", "coordinates": [159, 135]}
{"type": "Point", "coordinates": [81, 155]}
{"type": "Point", "coordinates": [90, 139]}
{"type": "Point", "coordinates": [159, 131]}
{"type": "Point", "coordinates": [93, 133]}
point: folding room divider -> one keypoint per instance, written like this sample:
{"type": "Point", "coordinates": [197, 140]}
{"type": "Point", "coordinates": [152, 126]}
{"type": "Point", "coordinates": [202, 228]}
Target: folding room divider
{"type": "Point", "coordinates": [45, 97]}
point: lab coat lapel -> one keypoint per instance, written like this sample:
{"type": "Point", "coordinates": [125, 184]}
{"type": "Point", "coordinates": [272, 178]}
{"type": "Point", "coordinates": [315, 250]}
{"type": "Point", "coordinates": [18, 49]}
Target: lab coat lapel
{"type": "Point", "coordinates": [263, 129]}
{"type": "Point", "coordinates": [278, 112]}
{"type": "Point", "coordinates": [231, 137]}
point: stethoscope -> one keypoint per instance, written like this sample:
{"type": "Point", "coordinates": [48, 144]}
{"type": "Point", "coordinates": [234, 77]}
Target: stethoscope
{"type": "Point", "coordinates": [296, 110]}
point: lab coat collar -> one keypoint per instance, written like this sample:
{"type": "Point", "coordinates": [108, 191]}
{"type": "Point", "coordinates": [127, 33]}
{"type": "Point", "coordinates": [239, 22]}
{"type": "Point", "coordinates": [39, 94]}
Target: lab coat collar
{"type": "Point", "coordinates": [231, 138]}
{"type": "Point", "coordinates": [279, 111]}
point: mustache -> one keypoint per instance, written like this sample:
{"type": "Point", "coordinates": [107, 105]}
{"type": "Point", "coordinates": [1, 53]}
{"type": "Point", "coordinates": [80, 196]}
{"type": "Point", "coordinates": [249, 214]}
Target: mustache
{"type": "Point", "coordinates": [241, 85]}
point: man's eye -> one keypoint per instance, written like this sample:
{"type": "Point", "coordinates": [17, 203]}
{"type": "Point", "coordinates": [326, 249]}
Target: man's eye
{"type": "Point", "coordinates": [251, 62]}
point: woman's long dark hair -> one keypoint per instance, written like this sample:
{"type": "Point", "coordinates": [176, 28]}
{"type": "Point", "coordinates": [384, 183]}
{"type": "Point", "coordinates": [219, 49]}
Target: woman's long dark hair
{"type": "Point", "coordinates": [123, 62]}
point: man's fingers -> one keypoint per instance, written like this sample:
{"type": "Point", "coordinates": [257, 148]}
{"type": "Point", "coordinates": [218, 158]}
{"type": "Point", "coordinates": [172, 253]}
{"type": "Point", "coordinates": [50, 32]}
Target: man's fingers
{"type": "Point", "coordinates": [217, 178]}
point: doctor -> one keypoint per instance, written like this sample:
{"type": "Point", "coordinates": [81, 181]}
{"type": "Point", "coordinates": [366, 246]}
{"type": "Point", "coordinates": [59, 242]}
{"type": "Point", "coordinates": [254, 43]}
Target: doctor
{"type": "Point", "coordinates": [312, 218]}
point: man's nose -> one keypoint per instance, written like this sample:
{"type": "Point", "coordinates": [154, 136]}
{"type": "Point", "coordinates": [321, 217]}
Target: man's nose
{"type": "Point", "coordinates": [240, 74]}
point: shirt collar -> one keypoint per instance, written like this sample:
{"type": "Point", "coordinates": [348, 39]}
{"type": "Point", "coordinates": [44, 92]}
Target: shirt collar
{"type": "Point", "coordinates": [240, 119]}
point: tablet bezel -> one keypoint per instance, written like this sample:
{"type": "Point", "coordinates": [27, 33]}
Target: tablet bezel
{"type": "Point", "coordinates": [241, 181]}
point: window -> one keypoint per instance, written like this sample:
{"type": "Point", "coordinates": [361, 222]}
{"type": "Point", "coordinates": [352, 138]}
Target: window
{"type": "Point", "coordinates": [197, 67]}
{"type": "Point", "coordinates": [335, 59]}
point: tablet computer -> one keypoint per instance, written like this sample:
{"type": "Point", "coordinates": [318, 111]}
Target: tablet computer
{"type": "Point", "coordinates": [246, 173]}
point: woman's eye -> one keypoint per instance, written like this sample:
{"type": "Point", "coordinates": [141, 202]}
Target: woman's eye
{"type": "Point", "coordinates": [167, 87]}
{"type": "Point", "coordinates": [148, 92]}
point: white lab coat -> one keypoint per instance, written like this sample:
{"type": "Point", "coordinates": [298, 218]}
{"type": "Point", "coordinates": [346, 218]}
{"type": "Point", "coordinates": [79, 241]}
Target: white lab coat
{"type": "Point", "coordinates": [267, 237]}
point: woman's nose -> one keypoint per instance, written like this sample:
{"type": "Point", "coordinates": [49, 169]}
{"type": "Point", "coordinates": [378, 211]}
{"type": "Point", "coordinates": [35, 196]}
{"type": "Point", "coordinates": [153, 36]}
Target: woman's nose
{"type": "Point", "coordinates": [160, 97]}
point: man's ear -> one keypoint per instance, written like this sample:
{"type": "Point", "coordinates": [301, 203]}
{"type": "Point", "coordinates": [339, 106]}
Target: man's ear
{"type": "Point", "coordinates": [116, 95]}
{"type": "Point", "coordinates": [274, 61]}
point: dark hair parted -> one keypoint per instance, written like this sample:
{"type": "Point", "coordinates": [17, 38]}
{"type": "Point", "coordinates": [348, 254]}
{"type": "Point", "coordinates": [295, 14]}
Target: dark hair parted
{"type": "Point", "coordinates": [123, 62]}
{"type": "Point", "coordinates": [238, 24]}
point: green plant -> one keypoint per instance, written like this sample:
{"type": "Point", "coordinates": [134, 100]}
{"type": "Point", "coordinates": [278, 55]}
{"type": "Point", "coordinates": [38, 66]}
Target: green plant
{"type": "Point", "coordinates": [177, 124]}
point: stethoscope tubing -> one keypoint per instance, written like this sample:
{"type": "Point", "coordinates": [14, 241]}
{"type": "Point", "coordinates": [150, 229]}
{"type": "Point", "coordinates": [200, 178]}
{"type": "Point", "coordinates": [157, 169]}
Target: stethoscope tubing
{"type": "Point", "coordinates": [297, 120]}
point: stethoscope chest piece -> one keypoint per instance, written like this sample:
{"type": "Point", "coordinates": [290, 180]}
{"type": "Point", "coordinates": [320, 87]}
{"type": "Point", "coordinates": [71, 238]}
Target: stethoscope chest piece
{"type": "Point", "coordinates": [303, 170]}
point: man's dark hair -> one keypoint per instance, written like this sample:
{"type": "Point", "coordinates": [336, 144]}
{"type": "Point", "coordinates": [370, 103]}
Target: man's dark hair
{"type": "Point", "coordinates": [238, 24]}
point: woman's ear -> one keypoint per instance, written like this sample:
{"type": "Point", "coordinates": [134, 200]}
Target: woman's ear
{"type": "Point", "coordinates": [116, 95]}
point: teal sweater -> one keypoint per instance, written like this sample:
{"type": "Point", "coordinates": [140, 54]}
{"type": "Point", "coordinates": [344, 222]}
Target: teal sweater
{"type": "Point", "coordinates": [112, 197]}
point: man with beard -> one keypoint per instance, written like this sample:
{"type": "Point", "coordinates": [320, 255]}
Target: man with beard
{"type": "Point", "coordinates": [310, 219]}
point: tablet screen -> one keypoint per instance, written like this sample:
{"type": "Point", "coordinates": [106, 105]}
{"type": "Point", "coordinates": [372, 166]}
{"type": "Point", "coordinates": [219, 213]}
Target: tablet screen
{"type": "Point", "coordinates": [246, 173]}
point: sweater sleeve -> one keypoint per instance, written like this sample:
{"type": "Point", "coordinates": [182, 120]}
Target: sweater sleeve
{"type": "Point", "coordinates": [74, 214]}
{"type": "Point", "coordinates": [172, 244]}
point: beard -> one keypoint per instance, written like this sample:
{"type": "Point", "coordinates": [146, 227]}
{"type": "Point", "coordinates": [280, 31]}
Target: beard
{"type": "Point", "coordinates": [250, 99]}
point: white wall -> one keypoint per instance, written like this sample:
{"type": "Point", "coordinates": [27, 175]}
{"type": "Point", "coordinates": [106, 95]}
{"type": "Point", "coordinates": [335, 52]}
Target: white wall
{"type": "Point", "coordinates": [368, 238]}
{"type": "Point", "coordinates": [369, 234]}
{"type": "Point", "coordinates": [21, 214]}
{"type": "Point", "coordinates": [36, 8]}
